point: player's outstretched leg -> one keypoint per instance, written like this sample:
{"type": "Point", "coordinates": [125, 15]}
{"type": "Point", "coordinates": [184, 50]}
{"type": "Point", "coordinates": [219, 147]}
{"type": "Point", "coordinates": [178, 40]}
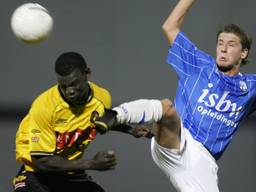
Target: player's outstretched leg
{"type": "Point", "coordinates": [161, 112]}
{"type": "Point", "coordinates": [185, 161]}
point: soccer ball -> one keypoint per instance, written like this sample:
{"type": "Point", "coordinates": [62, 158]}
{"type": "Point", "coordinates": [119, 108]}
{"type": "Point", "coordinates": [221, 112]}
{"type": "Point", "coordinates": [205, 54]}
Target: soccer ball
{"type": "Point", "coordinates": [31, 23]}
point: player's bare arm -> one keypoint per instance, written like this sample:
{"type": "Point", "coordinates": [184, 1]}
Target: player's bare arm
{"type": "Point", "coordinates": [174, 21]}
{"type": "Point", "coordinates": [135, 131]}
{"type": "Point", "coordinates": [103, 160]}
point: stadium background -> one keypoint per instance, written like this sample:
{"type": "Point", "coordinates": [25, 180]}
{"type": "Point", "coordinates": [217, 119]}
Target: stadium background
{"type": "Point", "coordinates": [125, 48]}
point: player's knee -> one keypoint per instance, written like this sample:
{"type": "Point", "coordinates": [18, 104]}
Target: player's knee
{"type": "Point", "coordinates": [166, 104]}
{"type": "Point", "coordinates": [168, 109]}
{"type": "Point", "coordinates": [170, 118]}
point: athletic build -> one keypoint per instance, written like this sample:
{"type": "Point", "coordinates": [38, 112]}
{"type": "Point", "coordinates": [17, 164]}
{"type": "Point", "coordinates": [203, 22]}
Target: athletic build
{"type": "Point", "coordinates": [212, 99]}
{"type": "Point", "coordinates": [53, 136]}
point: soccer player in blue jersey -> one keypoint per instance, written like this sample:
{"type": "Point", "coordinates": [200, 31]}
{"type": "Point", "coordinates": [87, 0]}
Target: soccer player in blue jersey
{"type": "Point", "coordinates": [212, 98]}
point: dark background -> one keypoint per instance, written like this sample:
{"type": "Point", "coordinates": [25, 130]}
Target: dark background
{"type": "Point", "coordinates": [125, 48]}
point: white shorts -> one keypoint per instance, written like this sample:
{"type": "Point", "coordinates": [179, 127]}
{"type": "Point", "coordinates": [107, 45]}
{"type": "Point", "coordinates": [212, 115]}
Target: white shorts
{"type": "Point", "coordinates": [190, 169]}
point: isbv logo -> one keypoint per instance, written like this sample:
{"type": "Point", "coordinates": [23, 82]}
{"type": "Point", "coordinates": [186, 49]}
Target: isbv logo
{"type": "Point", "coordinates": [220, 103]}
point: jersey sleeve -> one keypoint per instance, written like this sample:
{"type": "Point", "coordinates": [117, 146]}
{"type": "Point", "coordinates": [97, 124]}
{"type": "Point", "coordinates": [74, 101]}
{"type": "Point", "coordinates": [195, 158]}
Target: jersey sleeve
{"type": "Point", "coordinates": [42, 136]}
{"type": "Point", "coordinates": [251, 79]}
{"type": "Point", "coordinates": [252, 107]}
{"type": "Point", "coordinates": [35, 135]}
{"type": "Point", "coordinates": [106, 98]}
{"type": "Point", "coordinates": [102, 95]}
{"type": "Point", "coordinates": [186, 58]}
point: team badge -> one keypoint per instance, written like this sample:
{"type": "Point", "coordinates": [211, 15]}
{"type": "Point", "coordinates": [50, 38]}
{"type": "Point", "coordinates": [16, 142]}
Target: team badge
{"type": "Point", "coordinates": [35, 139]}
{"type": "Point", "coordinates": [243, 86]}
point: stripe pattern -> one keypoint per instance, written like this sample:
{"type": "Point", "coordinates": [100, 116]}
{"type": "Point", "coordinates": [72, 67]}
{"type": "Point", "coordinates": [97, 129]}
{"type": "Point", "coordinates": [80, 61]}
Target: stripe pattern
{"type": "Point", "coordinates": [210, 104]}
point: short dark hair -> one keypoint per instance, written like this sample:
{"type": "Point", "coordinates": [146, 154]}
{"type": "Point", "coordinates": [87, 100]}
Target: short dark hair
{"type": "Point", "coordinates": [245, 40]}
{"type": "Point", "coordinates": [67, 62]}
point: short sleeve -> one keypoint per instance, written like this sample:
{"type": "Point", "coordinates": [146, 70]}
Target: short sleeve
{"type": "Point", "coordinates": [185, 58]}
{"type": "Point", "coordinates": [41, 134]}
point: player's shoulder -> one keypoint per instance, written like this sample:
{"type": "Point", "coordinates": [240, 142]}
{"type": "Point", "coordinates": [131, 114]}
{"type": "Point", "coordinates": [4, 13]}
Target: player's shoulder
{"type": "Point", "coordinates": [48, 99]}
{"type": "Point", "coordinates": [250, 77]}
{"type": "Point", "coordinates": [250, 80]}
{"type": "Point", "coordinates": [101, 94]}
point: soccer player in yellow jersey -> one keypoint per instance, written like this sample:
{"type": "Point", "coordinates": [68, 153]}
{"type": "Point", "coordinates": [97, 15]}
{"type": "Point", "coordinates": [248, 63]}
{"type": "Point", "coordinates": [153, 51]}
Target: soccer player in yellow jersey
{"type": "Point", "coordinates": [52, 137]}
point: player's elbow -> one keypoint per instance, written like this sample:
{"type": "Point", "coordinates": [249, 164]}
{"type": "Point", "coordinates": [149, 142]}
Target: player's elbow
{"type": "Point", "coordinates": [170, 26]}
{"type": "Point", "coordinates": [165, 27]}
{"type": "Point", "coordinates": [170, 31]}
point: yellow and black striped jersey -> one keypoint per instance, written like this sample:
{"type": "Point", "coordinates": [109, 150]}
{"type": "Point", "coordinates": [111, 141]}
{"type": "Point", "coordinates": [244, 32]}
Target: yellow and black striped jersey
{"type": "Point", "coordinates": [53, 127]}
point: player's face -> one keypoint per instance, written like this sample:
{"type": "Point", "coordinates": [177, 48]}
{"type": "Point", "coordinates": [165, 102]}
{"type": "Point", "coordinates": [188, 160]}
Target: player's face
{"type": "Point", "coordinates": [74, 87]}
{"type": "Point", "coordinates": [229, 52]}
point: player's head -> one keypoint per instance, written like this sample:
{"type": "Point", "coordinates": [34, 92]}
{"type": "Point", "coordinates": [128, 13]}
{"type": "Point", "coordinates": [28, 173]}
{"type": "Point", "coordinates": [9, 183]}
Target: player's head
{"type": "Point", "coordinates": [71, 71]}
{"type": "Point", "coordinates": [67, 62]}
{"type": "Point", "coordinates": [233, 47]}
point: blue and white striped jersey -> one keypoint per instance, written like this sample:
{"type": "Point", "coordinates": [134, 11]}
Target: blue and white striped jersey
{"type": "Point", "coordinates": [211, 105]}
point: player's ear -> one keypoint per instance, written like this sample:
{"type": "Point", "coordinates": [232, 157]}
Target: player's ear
{"type": "Point", "coordinates": [87, 71]}
{"type": "Point", "coordinates": [245, 53]}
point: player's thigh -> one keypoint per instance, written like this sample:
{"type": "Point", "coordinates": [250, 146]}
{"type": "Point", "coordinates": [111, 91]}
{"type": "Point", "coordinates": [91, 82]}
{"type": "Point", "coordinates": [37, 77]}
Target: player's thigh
{"type": "Point", "coordinates": [168, 128]}
{"type": "Point", "coordinates": [168, 158]}
{"type": "Point", "coordinates": [189, 168]}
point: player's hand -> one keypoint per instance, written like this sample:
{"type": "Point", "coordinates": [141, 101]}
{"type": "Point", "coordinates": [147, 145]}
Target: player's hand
{"type": "Point", "coordinates": [104, 160]}
{"type": "Point", "coordinates": [106, 121]}
{"type": "Point", "coordinates": [141, 131]}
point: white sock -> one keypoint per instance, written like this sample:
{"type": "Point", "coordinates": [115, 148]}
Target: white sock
{"type": "Point", "coordinates": [139, 111]}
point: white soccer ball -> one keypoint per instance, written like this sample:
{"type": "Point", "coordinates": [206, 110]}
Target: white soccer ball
{"type": "Point", "coordinates": [31, 23]}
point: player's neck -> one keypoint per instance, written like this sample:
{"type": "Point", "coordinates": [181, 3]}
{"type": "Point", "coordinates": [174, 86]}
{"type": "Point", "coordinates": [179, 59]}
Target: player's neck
{"type": "Point", "coordinates": [231, 73]}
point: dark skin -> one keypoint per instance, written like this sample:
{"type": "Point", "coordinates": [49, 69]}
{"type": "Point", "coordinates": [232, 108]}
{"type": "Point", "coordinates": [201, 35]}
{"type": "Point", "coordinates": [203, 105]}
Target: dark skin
{"type": "Point", "coordinates": [75, 90]}
{"type": "Point", "coordinates": [103, 160]}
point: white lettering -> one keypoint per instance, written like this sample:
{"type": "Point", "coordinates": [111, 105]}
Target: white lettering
{"type": "Point", "coordinates": [222, 101]}
{"type": "Point", "coordinates": [204, 94]}
{"type": "Point", "coordinates": [221, 104]}
{"type": "Point", "coordinates": [212, 100]}
{"type": "Point", "coordinates": [216, 115]}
